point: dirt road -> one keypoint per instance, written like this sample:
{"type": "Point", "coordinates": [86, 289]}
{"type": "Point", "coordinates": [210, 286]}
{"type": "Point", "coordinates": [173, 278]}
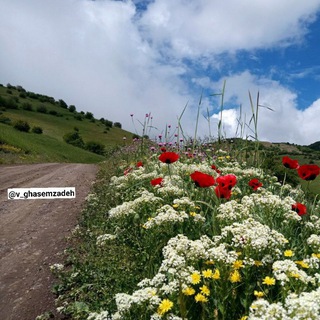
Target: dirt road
{"type": "Point", "coordinates": [32, 234]}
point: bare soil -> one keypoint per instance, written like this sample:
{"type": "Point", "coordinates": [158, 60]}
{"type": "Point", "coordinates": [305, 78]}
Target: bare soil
{"type": "Point", "coordinates": [33, 234]}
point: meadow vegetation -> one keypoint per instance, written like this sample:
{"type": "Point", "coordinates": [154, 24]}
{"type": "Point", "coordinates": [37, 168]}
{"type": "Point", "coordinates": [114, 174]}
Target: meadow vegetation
{"type": "Point", "coordinates": [228, 229]}
{"type": "Point", "coordinates": [182, 228]}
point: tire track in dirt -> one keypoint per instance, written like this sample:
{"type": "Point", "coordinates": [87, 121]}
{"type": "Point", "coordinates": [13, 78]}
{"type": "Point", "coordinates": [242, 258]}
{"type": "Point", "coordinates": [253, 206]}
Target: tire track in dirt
{"type": "Point", "coordinates": [33, 232]}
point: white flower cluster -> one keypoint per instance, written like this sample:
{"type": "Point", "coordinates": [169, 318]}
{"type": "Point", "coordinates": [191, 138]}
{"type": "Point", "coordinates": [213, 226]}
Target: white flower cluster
{"type": "Point", "coordinates": [166, 214]}
{"type": "Point", "coordinates": [241, 173]}
{"type": "Point", "coordinates": [56, 267]}
{"type": "Point", "coordinates": [297, 307]}
{"type": "Point", "coordinates": [104, 315]}
{"type": "Point", "coordinates": [253, 235]}
{"type": "Point", "coordinates": [232, 211]}
{"type": "Point", "coordinates": [271, 204]}
{"type": "Point", "coordinates": [103, 239]}
{"type": "Point", "coordinates": [131, 207]}
{"type": "Point", "coordinates": [185, 169]}
{"type": "Point", "coordinates": [314, 242]}
{"type": "Point", "coordinates": [286, 270]}
{"type": "Point", "coordinates": [172, 187]}
{"type": "Point", "coordinates": [314, 224]}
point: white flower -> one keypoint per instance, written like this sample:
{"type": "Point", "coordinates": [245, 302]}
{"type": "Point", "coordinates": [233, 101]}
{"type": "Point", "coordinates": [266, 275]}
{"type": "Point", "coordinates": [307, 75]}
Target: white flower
{"type": "Point", "coordinates": [104, 238]}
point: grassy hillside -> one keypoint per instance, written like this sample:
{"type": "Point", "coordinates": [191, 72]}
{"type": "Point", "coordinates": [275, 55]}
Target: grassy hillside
{"type": "Point", "coordinates": [56, 119]}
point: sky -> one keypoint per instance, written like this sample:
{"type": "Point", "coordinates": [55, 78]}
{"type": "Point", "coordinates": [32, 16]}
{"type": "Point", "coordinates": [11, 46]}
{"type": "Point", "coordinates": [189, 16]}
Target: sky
{"type": "Point", "coordinates": [171, 59]}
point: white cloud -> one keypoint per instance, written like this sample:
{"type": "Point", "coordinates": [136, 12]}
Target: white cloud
{"type": "Point", "coordinates": [204, 27]}
{"type": "Point", "coordinates": [286, 123]}
{"type": "Point", "coordinates": [104, 58]}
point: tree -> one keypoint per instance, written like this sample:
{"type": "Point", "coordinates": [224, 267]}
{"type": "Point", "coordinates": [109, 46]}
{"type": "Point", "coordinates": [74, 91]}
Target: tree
{"type": "Point", "coordinates": [117, 125]}
{"type": "Point", "coordinates": [63, 104]}
{"type": "Point", "coordinates": [108, 123]}
{"type": "Point", "coordinates": [72, 108]}
{"type": "Point", "coordinates": [89, 115]}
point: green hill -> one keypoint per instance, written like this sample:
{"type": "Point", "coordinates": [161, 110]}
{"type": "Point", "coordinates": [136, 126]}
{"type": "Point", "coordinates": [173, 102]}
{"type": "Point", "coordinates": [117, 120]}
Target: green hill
{"type": "Point", "coordinates": [315, 146]}
{"type": "Point", "coordinates": [55, 119]}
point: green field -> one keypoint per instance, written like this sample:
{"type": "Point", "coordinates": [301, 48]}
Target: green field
{"type": "Point", "coordinates": [22, 147]}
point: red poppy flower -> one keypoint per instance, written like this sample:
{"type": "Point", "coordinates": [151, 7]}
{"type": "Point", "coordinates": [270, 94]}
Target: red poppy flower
{"type": "Point", "coordinates": [168, 157]}
{"type": "Point", "coordinates": [308, 171]}
{"type": "Point", "coordinates": [299, 208]}
{"type": "Point", "coordinates": [223, 193]}
{"type": "Point", "coordinates": [156, 181]}
{"type": "Point", "coordinates": [202, 180]}
{"type": "Point", "coordinates": [213, 167]}
{"type": "Point", "coordinates": [255, 184]}
{"type": "Point", "coordinates": [163, 149]}
{"type": "Point", "coordinates": [290, 163]}
{"type": "Point", "coordinates": [228, 181]}
{"type": "Point", "coordinates": [139, 164]}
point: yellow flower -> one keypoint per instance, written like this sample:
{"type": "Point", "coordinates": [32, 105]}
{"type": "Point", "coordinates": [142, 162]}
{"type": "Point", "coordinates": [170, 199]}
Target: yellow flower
{"type": "Point", "coordinates": [152, 292]}
{"type": "Point", "coordinates": [175, 205]}
{"type": "Point", "coordinates": [216, 274]}
{"type": "Point", "coordinates": [207, 273]}
{"type": "Point", "coordinates": [288, 253]}
{"type": "Point", "coordinates": [258, 294]}
{"type": "Point", "coordinates": [269, 281]}
{"type": "Point", "coordinates": [302, 264]}
{"type": "Point", "coordinates": [316, 255]}
{"type": "Point", "coordinates": [228, 157]}
{"type": "Point", "coordinates": [238, 264]}
{"type": "Point", "coordinates": [244, 318]}
{"type": "Point", "coordinates": [235, 276]}
{"type": "Point", "coordinates": [295, 275]}
{"type": "Point", "coordinates": [192, 214]}
{"type": "Point", "coordinates": [209, 262]}
{"type": "Point", "coordinates": [164, 306]}
{"type": "Point", "coordinates": [258, 263]}
{"type": "Point", "coordinates": [205, 290]}
{"type": "Point", "coordinates": [200, 298]}
{"type": "Point", "coordinates": [188, 291]}
{"type": "Point", "coordinates": [195, 278]}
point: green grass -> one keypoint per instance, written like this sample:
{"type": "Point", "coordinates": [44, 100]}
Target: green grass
{"type": "Point", "coordinates": [50, 146]}
{"type": "Point", "coordinates": [40, 148]}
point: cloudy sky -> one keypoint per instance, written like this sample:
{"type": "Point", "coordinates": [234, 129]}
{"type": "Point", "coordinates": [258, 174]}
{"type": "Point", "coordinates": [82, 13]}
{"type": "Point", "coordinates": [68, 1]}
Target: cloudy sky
{"type": "Point", "coordinates": [116, 58]}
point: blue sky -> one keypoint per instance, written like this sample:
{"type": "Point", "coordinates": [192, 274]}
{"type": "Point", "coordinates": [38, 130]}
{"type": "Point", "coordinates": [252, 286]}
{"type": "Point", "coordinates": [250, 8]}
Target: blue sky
{"type": "Point", "coordinates": [115, 58]}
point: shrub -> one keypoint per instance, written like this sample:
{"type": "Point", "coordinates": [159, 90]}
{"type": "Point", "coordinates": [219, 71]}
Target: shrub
{"type": "Point", "coordinates": [74, 138]}
{"type": "Point", "coordinates": [37, 130]}
{"type": "Point", "coordinates": [12, 104]}
{"type": "Point", "coordinates": [22, 95]}
{"type": "Point", "coordinates": [53, 112]}
{"type": "Point", "coordinates": [95, 147]}
{"type": "Point", "coordinates": [22, 125]}
{"type": "Point", "coordinates": [117, 125]}
{"type": "Point", "coordinates": [27, 106]}
{"type": "Point", "coordinates": [42, 109]}
{"type": "Point", "coordinates": [78, 117]}
{"type": "Point", "coordinates": [3, 102]}
{"type": "Point", "coordinates": [5, 120]}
